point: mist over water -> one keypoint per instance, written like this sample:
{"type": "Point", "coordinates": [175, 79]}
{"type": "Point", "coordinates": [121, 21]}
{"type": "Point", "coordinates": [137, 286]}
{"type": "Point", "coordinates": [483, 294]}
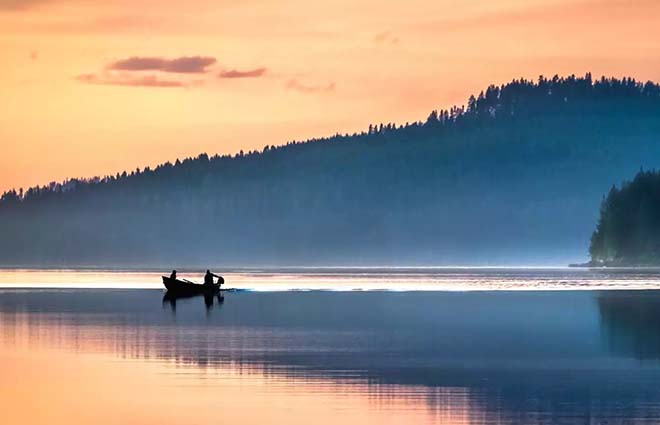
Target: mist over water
{"type": "Point", "coordinates": [352, 279]}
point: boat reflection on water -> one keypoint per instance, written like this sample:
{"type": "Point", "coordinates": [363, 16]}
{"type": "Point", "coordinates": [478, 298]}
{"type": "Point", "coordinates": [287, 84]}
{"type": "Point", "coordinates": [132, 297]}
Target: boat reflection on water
{"type": "Point", "coordinates": [210, 300]}
{"type": "Point", "coordinates": [630, 323]}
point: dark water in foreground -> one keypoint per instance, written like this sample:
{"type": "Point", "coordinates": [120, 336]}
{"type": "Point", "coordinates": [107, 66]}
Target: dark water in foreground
{"type": "Point", "coordinates": [122, 356]}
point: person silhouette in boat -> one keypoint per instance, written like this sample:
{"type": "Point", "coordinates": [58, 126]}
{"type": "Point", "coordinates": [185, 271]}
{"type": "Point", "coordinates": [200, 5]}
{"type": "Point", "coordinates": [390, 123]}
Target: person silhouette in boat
{"type": "Point", "coordinates": [208, 278]}
{"type": "Point", "coordinates": [173, 275]}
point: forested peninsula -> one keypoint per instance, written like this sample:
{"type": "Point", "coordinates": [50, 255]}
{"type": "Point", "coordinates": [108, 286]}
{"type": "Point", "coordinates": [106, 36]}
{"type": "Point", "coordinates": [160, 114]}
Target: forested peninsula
{"type": "Point", "coordinates": [515, 176]}
{"type": "Point", "coordinates": [628, 230]}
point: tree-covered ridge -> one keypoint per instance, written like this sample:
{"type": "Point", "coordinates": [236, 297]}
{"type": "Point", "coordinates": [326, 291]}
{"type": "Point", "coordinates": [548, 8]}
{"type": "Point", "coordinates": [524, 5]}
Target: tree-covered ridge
{"type": "Point", "coordinates": [514, 175]}
{"type": "Point", "coordinates": [519, 98]}
{"type": "Point", "coordinates": [628, 230]}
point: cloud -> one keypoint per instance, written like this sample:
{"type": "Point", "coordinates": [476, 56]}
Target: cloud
{"type": "Point", "coordinates": [19, 4]}
{"type": "Point", "coordinates": [130, 81]}
{"type": "Point", "coordinates": [308, 88]}
{"type": "Point", "coordinates": [386, 37]}
{"type": "Point", "coordinates": [182, 65]}
{"type": "Point", "coordinates": [234, 73]}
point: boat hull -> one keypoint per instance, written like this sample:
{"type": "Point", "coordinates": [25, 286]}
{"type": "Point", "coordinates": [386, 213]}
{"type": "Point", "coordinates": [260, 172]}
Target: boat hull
{"type": "Point", "coordinates": [182, 288]}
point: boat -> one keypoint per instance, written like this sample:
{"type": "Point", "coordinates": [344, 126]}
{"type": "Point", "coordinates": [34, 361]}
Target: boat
{"type": "Point", "coordinates": [186, 288]}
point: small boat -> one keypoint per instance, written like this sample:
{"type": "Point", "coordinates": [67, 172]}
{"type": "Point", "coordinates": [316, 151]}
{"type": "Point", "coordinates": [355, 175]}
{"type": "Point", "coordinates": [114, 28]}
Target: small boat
{"type": "Point", "coordinates": [186, 288]}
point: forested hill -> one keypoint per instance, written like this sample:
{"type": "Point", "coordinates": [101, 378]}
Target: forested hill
{"type": "Point", "coordinates": [628, 231]}
{"type": "Point", "coordinates": [515, 177]}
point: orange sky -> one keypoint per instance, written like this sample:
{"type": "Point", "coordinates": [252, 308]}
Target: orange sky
{"type": "Point", "coordinates": [94, 87]}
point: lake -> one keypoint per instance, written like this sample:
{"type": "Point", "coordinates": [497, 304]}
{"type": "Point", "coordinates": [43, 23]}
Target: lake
{"type": "Point", "coordinates": [350, 346]}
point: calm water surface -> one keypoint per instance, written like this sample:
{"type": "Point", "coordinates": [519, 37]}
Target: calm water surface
{"type": "Point", "coordinates": [423, 351]}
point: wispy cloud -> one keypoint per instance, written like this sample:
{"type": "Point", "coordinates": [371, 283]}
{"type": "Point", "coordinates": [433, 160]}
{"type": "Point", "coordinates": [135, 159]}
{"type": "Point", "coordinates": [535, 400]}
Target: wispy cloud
{"type": "Point", "coordinates": [131, 81]}
{"type": "Point", "coordinates": [296, 85]}
{"type": "Point", "coordinates": [12, 5]}
{"type": "Point", "coordinates": [144, 71]}
{"type": "Point", "coordinates": [183, 65]}
{"type": "Point", "coordinates": [234, 73]}
{"type": "Point", "coordinates": [386, 37]}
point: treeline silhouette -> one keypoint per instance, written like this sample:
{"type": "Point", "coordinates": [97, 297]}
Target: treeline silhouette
{"type": "Point", "coordinates": [628, 230]}
{"type": "Point", "coordinates": [515, 176]}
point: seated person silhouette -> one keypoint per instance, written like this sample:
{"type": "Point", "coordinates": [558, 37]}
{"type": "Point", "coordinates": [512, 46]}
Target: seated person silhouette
{"type": "Point", "coordinates": [208, 278]}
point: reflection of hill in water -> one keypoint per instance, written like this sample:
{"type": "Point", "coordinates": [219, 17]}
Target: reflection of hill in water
{"type": "Point", "coordinates": [631, 323]}
{"type": "Point", "coordinates": [519, 357]}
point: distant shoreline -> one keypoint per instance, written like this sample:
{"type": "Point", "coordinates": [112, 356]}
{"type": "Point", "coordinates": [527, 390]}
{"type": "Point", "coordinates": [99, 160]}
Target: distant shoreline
{"type": "Point", "coordinates": [615, 266]}
{"type": "Point", "coordinates": [320, 268]}
{"type": "Point", "coordinates": [244, 268]}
